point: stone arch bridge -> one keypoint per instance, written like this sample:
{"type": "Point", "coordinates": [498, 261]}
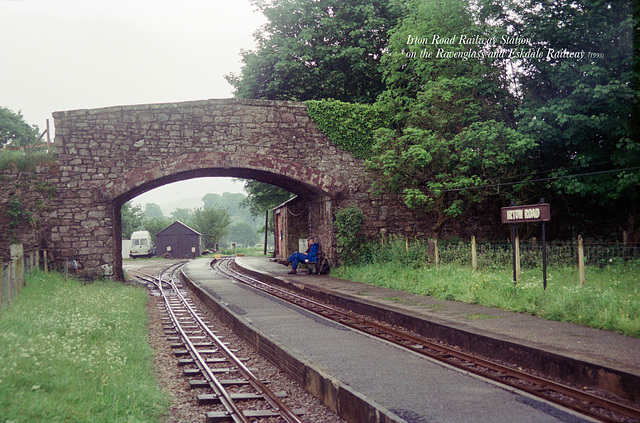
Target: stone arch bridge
{"type": "Point", "coordinates": [108, 156]}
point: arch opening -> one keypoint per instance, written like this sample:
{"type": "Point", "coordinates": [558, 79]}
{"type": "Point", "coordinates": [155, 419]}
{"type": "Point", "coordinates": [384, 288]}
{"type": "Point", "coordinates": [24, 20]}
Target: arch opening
{"type": "Point", "coordinates": [302, 190]}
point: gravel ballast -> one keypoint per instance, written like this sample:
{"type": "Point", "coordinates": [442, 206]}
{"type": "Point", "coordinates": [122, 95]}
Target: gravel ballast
{"type": "Point", "coordinates": [184, 408]}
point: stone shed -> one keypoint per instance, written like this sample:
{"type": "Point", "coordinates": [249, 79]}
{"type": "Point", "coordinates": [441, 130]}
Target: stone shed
{"type": "Point", "coordinates": [179, 241]}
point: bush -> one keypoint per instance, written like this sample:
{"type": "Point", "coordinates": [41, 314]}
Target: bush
{"type": "Point", "coordinates": [348, 225]}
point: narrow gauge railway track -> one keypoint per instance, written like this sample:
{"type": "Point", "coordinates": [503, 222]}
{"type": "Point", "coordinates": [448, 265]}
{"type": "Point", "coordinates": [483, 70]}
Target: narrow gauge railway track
{"type": "Point", "coordinates": [252, 400]}
{"type": "Point", "coordinates": [589, 404]}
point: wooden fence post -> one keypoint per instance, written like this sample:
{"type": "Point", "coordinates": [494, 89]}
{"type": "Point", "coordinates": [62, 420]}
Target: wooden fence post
{"type": "Point", "coordinates": [581, 260]}
{"type": "Point", "coordinates": [436, 252]}
{"type": "Point", "coordinates": [10, 281]}
{"type": "Point", "coordinates": [18, 271]}
{"type": "Point", "coordinates": [2, 284]}
{"type": "Point", "coordinates": [517, 245]}
{"type": "Point", "coordinates": [474, 255]}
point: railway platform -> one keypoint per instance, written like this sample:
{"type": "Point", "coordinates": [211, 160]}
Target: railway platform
{"type": "Point", "coordinates": [366, 380]}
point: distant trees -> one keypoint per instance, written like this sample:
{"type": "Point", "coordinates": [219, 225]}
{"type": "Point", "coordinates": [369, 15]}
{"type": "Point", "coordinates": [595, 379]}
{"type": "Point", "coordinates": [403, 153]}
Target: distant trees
{"type": "Point", "coordinates": [182, 215]}
{"type": "Point", "coordinates": [222, 220]}
{"type": "Point", "coordinates": [212, 223]}
{"type": "Point", "coordinates": [153, 211]}
{"type": "Point", "coordinates": [243, 234]}
{"type": "Point", "coordinates": [262, 198]}
{"type": "Point", "coordinates": [462, 127]}
{"type": "Point", "coordinates": [156, 224]}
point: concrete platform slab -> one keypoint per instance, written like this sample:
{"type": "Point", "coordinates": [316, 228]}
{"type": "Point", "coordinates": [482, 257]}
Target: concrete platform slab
{"type": "Point", "coordinates": [363, 379]}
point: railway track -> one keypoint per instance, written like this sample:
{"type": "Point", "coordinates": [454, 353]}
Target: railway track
{"type": "Point", "coordinates": [581, 401]}
{"type": "Point", "coordinates": [236, 394]}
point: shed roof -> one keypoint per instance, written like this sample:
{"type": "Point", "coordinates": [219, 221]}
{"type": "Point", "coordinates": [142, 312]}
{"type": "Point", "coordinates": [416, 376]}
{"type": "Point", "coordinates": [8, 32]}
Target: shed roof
{"type": "Point", "coordinates": [288, 202]}
{"type": "Point", "coordinates": [177, 228]}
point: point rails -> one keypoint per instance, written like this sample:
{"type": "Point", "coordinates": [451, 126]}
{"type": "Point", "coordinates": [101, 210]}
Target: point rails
{"type": "Point", "coordinates": [367, 380]}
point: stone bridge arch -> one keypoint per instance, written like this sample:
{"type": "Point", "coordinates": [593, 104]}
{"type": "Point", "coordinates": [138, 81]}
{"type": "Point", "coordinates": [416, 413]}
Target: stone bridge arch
{"type": "Point", "coordinates": [109, 155]}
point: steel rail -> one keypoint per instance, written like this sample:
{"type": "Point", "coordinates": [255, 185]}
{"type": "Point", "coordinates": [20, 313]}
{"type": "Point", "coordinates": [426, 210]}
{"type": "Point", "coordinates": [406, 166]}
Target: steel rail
{"type": "Point", "coordinates": [281, 409]}
{"type": "Point", "coordinates": [468, 362]}
{"type": "Point", "coordinates": [230, 406]}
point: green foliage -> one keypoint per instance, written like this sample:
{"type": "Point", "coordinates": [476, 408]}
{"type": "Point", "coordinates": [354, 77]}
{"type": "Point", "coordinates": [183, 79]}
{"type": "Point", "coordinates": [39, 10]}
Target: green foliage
{"type": "Point", "coordinates": [234, 204]}
{"type": "Point", "coordinates": [132, 219]}
{"type": "Point", "coordinates": [242, 234]}
{"type": "Point", "coordinates": [583, 113]}
{"type": "Point", "coordinates": [182, 215]}
{"type": "Point", "coordinates": [262, 198]}
{"type": "Point", "coordinates": [24, 161]}
{"type": "Point", "coordinates": [78, 352]}
{"type": "Point", "coordinates": [445, 175]}
{"type": "Point", "coordinates": [452, 133]}
{"type": "Point", "coordinates": [45, 187]}
{"type": "Point", "coordinates": [155, 225]}
{"type": "Point", "coordinates": [14, 131]}
{"type": "Point", "coordinates": [317, 49]}
{"type": "Point", "coordinates": [396, 249]}
{"type": "Point", "coordinates": [17, 213]}
{"type": "Point", "coordinates": [349, 125]}
{"type": "Point", "coordinates": [213, 223]}
{"type": "Point", "coordinates": [348, 225]}
{"type": "Point", "coordinates": [153, 211]}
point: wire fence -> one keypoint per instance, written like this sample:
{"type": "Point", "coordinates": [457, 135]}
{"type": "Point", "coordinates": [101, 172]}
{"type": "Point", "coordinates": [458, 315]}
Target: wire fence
{"type": "Point", "coordinates": [561, 254]}
{"type": "Point", "coordinates": [14, 270]}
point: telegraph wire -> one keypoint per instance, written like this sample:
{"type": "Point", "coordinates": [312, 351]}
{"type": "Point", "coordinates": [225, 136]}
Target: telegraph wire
{"type": "Point", "coordinates": [552, 178]}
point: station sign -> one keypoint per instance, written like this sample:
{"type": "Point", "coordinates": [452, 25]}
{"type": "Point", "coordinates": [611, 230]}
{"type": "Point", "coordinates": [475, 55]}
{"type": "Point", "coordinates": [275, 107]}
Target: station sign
{"type": "Point", "coordinates": [540, 212]}
{"type": "Point", "coordinates": [523, 214]}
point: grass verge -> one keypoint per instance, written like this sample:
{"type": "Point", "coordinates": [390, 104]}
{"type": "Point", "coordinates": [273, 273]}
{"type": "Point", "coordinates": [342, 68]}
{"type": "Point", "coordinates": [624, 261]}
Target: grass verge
{"type": "Point", "coordinates": [77, 353]}
{"type": "Point", "coordinates": [609, 300]}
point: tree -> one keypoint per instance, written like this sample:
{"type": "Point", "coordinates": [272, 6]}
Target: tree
{"type": "Point", "coordinates": [155, 225]}
{"type": "Point", "coordinates": [583, 111]}
{"type": "Point", "coordinates": [242, 234]}
{"type": "Point", "coordinates": [317, 49]}
{"type": "Point", "coordinates": [182, 215]}
{"type": "Point", "coordinates": [232, 203]}
{"type": "Point", "coordinates": [213, 223]}
{"type": "Point", "coordinates": [14, 131]}
{"type": "Point", "coordinates": [153, 211]}
{"type": "Point", "coordinates": [132, 219]}
{"type": "Point", "coordinates": [453, 134]}
{"type": "Point", "coordinates": [263, 197]}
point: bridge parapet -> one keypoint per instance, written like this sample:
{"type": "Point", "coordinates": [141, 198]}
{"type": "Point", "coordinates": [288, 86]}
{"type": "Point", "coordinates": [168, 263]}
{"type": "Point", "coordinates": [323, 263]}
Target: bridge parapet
{"type": "Point", "coordinates": [109, 155]}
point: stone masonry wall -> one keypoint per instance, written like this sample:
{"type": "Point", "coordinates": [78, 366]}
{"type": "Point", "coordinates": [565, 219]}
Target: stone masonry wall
{"type": "Point", "coordinates": [110, 155]}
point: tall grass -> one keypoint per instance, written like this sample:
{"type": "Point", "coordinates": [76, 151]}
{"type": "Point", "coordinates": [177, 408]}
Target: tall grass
{"type": "Point", "coordinates": [77, 353]}
{"type": "Point", "coordinates": [21, 160]}
{"type": "Point", "coordinates": [609, 300]}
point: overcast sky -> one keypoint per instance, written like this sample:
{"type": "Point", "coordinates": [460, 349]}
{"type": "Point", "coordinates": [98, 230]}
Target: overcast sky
{"type": "Point", "coordinates": [67, 54]}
